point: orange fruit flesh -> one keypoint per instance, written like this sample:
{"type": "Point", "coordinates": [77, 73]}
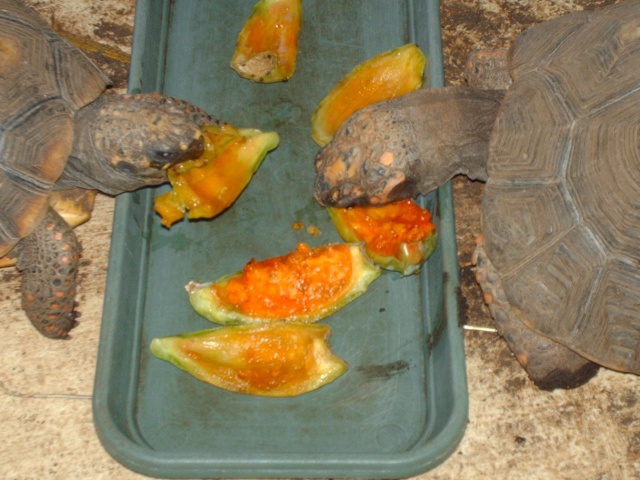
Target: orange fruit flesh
{"type": "Point", "coordinates": [275, 31]}
{"type": "Point", "coordinates": [265, 359]}
{"type": "Point", "coordinates": [273, 28]}
{"type": "Point", "coordinates": [208, 185]}
{"type": "Point", "coordinates": [211, 187]}
{"type": "Point", "coordinates": [383, 77]}
{"type": "Point", "coordinates": [385, 228]}
{"type": "Point", "coordinates": [299, 282]}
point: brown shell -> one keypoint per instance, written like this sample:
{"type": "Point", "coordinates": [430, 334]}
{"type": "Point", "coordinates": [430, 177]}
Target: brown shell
{"type": "Point", "coordinates": [43, 82]}
{"type": "Point", "coordinates": [561, 209]}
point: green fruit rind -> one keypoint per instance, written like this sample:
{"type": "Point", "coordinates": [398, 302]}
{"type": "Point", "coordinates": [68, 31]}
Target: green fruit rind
{"type": "Point", "coordinates": [217, 357]}
{"type": "Point", "coordinates": [410, 258]}
{"type": "Point", "coordinates": [209, 305]}
{"type": "Point", "coordinates": [258, 144]}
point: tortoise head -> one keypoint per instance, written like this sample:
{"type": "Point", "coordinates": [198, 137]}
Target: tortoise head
{"type": "Point", "coordinates": [126, 142]}
{"type": "Point", "coordinates": [366, 163]}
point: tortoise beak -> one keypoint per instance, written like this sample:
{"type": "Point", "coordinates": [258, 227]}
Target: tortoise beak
{"type": "Point", "coordinates": [193, 150]}
{"type": "Point", "coordinates": [344, 195]}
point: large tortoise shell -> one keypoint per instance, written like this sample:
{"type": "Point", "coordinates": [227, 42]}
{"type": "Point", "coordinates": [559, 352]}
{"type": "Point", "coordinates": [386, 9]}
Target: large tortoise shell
{"type": "Point", "coordinates": [561, 209]}
{"type": "Point", "coordinates": [43, 82]}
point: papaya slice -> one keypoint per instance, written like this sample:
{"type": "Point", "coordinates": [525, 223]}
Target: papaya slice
{"type": "Point", "coordinates": [206, 186]}
{"type": "Point", "coordinates": [398, 236]}
{"type": "Point", "coordinates": [305, 285]}
{"type": "Point", "coordinates": [387, 75]}
{"type": "Point", "coordinates": [267, 46]}
{"type": "Point", "coordinates": [276, 360]}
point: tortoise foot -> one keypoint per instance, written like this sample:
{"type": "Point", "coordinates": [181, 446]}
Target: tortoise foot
{"type": "Point", "coordinates": [548, 363]}
{"type": "Point", "coordinates": [48, 260]}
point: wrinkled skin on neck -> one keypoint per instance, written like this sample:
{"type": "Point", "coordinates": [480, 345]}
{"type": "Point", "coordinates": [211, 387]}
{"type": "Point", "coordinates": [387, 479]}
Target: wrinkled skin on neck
{"type": "Point", "coordinates": [125, 142]}
{"type": "Point", "coordinates": [411, 145]}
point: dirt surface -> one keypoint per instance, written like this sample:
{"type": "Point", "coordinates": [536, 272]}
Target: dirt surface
{"type": "Point", "coordinates": [104, 30]}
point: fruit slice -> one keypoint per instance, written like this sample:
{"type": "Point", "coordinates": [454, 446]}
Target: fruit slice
{"type": "Point", "coordinates": [277, 360]}
{"type": "Point", "coordinates": [305, 285]}
{"type": "Point", "coordinates": [398, 236]}
{"type": "Point", "coordinates": [267, 46]}
{"type": "Point", "coordinates": [383, 77]}
{"type": "Point", "coordinates": [208, 185]}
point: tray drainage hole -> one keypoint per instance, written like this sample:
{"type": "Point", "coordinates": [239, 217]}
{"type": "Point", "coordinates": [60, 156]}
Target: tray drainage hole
{"type": "Point", "coordinates": [391, 436]}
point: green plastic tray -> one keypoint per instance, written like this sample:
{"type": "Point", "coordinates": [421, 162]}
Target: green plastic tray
{"type": "Point", "coordinates": [401, 409]}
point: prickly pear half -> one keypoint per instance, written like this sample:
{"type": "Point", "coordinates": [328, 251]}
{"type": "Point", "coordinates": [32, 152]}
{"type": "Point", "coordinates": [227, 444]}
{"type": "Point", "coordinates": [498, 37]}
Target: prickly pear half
{"type": "Point", "coordinates": [277, 359]}
{"type": "Point", "coordinates": [267, 46]}
{"type": "Point", "coordinates": [305, 285]}
{"type": "Point", "coordinates": [398, 236]}
{"type": "Point", "coordinates": [206, 186]}
{"type": "Point", "coordinates": [383, 77]}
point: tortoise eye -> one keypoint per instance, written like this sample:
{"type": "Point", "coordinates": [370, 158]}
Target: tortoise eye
{"type": "Point", "coordinates": [162, 156]}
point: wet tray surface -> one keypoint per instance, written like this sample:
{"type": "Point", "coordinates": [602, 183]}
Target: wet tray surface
{"type": "Point", "coordinates": [402, 406]}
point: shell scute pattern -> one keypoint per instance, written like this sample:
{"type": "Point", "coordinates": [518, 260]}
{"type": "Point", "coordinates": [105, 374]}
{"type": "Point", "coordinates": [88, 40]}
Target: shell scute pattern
{"type": "Point", "coordinates": [531, 134]}
{"type": "Point", "coordinates": [43, 82]}
{"type": "Point", "coordinates": [63, 137]}
{"type": "Point", "coordinates": [561, 211]}
{"type": "Point", "coordinates": [21, 210]}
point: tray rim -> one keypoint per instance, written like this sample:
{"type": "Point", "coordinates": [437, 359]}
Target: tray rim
{"type": "Point", "coordinates": [135, 455]}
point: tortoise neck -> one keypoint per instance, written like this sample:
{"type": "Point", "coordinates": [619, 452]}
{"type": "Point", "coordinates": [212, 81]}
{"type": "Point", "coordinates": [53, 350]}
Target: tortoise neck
{"type": "Point", "coordinates": [458, 123]}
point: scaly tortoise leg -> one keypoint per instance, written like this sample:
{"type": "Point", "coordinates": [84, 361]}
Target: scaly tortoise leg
{"type": "Point", "coordinates": [48, 260]}
{"type": "Point", "coordinates": [549, 364]}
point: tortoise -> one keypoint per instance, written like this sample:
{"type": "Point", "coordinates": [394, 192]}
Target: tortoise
{"type": "Point", "coordinates": [63, 136]}
{"type": "Point", "coordinates": [557, 142]}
